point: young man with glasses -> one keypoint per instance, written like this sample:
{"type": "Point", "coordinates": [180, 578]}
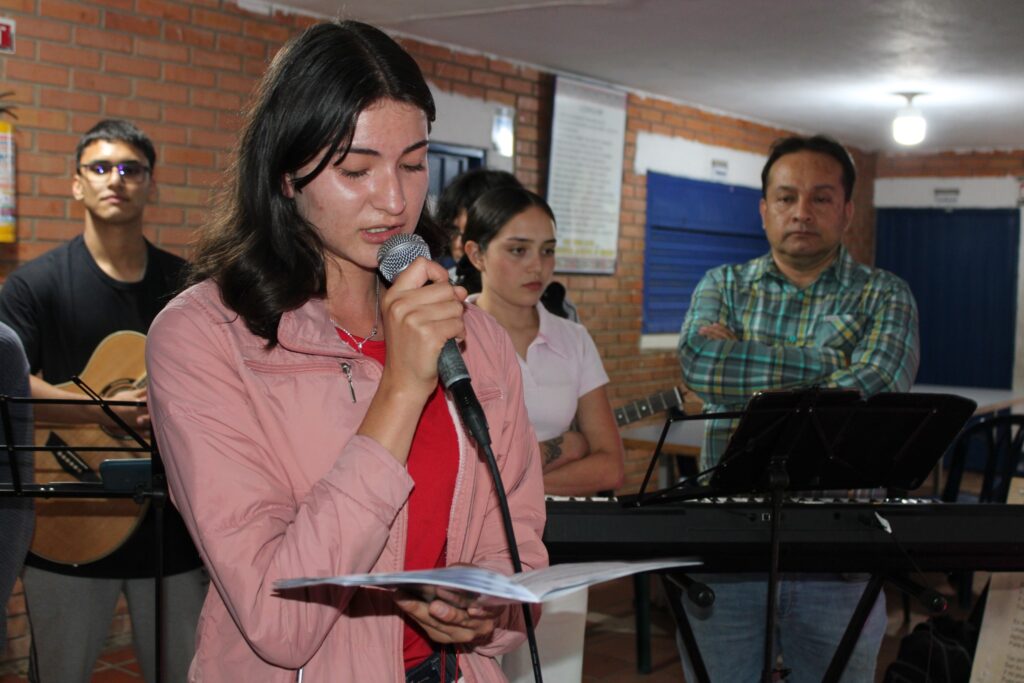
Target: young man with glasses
{"type": "Point", "coordinates": [63, 305]}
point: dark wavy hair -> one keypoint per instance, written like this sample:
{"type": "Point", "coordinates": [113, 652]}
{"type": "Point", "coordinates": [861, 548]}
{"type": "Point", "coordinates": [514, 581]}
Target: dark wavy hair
{"type": "Point", "coordinates": [485, 218]}
{"type": "Point", "coordinates": [465, 189]}
{"type": "Point", "coordinates": [265, 257]}
{"type": "Point", "coordinates": [822, 144]}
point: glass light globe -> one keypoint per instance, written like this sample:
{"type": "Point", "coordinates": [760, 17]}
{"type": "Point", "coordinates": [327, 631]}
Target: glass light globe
{"type": "Point", "coordinates": [909, 127]}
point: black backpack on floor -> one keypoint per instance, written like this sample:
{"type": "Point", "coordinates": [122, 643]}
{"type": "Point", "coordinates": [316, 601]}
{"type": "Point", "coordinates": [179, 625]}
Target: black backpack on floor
{"type": "Point", "coordinates": [939, 650]}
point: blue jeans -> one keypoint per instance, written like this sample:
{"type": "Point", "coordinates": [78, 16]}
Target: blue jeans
{"type": "Point", "coordinates": [812, 613]}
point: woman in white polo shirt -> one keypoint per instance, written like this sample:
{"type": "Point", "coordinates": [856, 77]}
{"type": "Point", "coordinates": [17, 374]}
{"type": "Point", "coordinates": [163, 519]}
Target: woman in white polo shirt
{"type": "Point", "coordinates": [509, 243]}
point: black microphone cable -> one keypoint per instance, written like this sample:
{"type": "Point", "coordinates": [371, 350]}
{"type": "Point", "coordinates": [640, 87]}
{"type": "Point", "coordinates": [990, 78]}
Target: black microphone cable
{"type": "Point", "coordinates": [395, 255]}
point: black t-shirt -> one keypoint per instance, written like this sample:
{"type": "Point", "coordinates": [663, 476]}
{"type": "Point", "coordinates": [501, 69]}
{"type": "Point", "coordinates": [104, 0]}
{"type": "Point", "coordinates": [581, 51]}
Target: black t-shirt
{"type": "Point", "coordinates": [62, 305]}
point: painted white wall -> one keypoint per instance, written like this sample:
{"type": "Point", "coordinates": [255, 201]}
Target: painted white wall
{"type": "Point", "coordinates": [1018, 354]}
{"type": "Point", "coordinates": [697, 161]}
{"type": "Point", "coordinates": [467, 121]}
{"type": "Point", "coordinates": [946, 193]}
{"type": "Point", "coordinates": [665, 341]}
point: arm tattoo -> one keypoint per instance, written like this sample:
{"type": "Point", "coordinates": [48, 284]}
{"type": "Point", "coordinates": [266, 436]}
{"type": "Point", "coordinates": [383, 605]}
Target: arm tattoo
{"type": "Point", "coordinates": [552, 449]}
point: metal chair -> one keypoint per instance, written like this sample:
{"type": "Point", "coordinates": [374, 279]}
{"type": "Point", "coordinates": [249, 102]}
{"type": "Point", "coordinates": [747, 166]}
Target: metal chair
{"type": "Point", "coordinates": [1001, 438]}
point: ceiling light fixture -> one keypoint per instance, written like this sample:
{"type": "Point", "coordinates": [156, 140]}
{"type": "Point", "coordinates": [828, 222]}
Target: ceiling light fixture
{"type": "Point", "coordinates": [909, 126]}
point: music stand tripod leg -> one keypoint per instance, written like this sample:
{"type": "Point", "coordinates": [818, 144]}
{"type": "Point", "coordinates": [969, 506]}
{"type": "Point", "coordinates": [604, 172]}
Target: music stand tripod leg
{"type": "Point", "coordinates": [158, 585]}
{"type": "Point", "coordinates": [853, 629]}
{"type": "Point", "coordinates": [158, 496]}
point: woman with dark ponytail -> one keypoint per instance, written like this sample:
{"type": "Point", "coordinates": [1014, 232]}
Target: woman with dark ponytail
{"type": "Point", "coordinates": [509, 243]}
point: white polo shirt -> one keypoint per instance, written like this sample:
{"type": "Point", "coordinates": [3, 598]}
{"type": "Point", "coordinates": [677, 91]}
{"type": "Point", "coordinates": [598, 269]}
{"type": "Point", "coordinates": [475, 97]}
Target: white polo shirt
{"type": "Point", "coordinates": [562, 364]}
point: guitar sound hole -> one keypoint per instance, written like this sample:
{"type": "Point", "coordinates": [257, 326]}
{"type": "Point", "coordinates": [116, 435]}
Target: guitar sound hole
{"type": "Point", "coordinates": [108, 391]}
{"type": "Point", "coordinates": [116, 386]}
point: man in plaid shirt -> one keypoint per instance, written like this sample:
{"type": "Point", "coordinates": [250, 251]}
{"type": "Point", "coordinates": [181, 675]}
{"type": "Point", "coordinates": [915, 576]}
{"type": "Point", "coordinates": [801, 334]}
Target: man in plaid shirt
{"type": "Point", "coordinates": [804, 314]}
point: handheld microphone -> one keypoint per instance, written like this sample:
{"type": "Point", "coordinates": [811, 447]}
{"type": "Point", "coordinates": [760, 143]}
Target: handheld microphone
{"type": "Point", "coordinates": [394, 256]}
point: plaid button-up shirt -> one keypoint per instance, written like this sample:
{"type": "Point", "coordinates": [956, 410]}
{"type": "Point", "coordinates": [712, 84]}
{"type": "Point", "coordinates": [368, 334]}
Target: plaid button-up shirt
{"type": "Point", "coordinates": [855, 327]}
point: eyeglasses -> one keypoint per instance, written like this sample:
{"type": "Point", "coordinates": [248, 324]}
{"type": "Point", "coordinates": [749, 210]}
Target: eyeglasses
{"type": "Point", "coordinates": [130, 171]}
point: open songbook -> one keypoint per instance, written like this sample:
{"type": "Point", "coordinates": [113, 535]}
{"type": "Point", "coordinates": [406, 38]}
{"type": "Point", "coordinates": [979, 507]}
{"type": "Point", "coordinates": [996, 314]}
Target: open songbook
{"type": "Point", "coordinates": [537, 585]}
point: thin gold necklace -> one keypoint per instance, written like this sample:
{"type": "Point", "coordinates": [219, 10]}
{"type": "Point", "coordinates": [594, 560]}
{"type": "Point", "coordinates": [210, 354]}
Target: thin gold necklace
{"type": "Point", "coordinates": [376, 321]}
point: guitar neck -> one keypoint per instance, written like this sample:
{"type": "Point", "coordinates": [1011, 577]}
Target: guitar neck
{"type": "Point", "coordinates": [645, 407]}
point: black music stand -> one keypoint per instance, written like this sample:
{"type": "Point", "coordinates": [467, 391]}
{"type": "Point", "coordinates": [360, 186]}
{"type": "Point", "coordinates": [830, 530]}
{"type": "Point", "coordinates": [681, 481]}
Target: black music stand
{"type": "Point", "coordinates": [825, 439]}
{"type": "Point", "coordinates": [138, 483]}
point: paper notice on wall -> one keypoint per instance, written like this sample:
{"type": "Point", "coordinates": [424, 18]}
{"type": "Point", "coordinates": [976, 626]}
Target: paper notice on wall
{"type": "Point", "coordinates": [588, 133]}
{"type": "Point", "coordinates": [8, 189]}
{"type": "Point", "coordinates": [999, 657]}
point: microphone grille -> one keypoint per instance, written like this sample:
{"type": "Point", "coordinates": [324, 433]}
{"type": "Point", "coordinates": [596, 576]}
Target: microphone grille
{"type": "Point", "coordinates": [398, 252]}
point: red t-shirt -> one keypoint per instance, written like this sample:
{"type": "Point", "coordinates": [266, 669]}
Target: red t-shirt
{"type": "Point", "coordinates": [433, 464]}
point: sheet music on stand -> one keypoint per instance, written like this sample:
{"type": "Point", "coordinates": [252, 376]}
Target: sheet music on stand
{"type": "Point", "coordinates": [135, 477]}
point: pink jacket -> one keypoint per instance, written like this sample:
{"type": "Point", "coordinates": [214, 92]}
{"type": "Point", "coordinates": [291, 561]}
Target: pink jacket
{"type": "Point", "coordinates": [265, 468]}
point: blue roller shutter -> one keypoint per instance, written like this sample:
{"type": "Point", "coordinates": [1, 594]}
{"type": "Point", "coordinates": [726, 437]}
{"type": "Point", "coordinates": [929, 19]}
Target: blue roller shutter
{"type": "Point", "coordinates": [692, 226]}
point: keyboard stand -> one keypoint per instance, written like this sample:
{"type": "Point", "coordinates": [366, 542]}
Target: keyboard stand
{"type": "Point", "coordinates": [823, 439]}
{"type": "Point", "coordinates": [674, 590]}
{"type": "Point", "coordinates": [933, 602]}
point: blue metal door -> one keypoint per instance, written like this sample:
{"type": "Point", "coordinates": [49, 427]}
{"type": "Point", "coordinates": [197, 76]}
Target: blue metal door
{"type": "Point", "coordinates": [962, 268]}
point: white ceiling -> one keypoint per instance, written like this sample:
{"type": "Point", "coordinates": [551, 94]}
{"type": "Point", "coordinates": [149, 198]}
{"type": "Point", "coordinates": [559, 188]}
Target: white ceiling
{"type": "Point", "coordinates": [808, 65]}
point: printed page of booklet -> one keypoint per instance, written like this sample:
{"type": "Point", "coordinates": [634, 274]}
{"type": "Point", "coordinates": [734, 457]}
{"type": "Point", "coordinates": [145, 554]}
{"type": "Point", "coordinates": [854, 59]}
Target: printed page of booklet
{"type": "Point", "coordinates": [533, 586]}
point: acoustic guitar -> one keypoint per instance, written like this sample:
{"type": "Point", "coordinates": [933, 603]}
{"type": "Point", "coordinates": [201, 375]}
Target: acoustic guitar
{"type": "Point", "coordinates": [82, 530]}
{"type": "Point", "coordinates": [645, 407]}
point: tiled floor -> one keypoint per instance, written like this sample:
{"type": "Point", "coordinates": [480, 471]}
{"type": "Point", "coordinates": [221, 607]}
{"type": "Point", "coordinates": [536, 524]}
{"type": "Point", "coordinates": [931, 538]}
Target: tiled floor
{"type": "Point", "coordinates": [610, 652]}
{"type": "Point", "coordinates": [115, 666]}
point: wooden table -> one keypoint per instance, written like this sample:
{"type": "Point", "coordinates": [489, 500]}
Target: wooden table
{"type": "Point", "coordinates": [684, 439]}
{"type": "Point", "coordinates": [988, 400]}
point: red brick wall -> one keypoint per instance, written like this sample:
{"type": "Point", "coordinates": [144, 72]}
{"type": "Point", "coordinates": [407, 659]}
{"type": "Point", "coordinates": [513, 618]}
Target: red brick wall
{"type": "Point", "coordinates": [182, 70]}
{"type": "Point", "coordinates": [962, 164]}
